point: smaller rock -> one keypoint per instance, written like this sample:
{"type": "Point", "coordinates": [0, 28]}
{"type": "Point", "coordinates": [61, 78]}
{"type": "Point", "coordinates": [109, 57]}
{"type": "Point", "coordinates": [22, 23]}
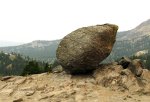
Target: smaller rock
{"type": "Point", "coordinates": [146, 75]}
{"type": "Point", "coordinates": [44, 97]}
{"type": "Point", "coordinates": [6, 78]}
{"type": "Point", "coordinates": [125, 72]}
{"type": "Point", "coordinates": [21, 81]}
{"type": "Point", "coordinates": [18, 100]}
{"type": "Point", "coordinates": [125, 98]}
{"type": "Point", "coordinates": [30, 93]}
{"type": "Point", "coordinates": [128, 96]}
{"type": "Point", "coordinates": [136, 67]}
{"type": "Point", "coordinates": [125, 61]}
{"type": "Point", "coordinates": [57, 69]}
{"type": "Point", "coordinates": [41, 87]}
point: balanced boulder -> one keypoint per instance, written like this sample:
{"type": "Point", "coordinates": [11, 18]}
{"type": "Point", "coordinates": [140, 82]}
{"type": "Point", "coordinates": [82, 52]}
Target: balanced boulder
{"type": "Point", "coordinates": [83, 49]}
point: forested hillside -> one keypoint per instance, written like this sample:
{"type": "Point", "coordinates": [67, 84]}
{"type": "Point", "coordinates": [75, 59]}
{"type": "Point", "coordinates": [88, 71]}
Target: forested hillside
{"type": "Point", "coordinates": [11, 63]}
{"type": "Point", "coordinates": [16, 64]}
{"type": "Point", "coordinates": [129, 47]}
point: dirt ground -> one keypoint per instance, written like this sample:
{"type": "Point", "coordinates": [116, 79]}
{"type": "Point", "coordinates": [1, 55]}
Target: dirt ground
{"type": "Point", "coordinates": [61, 87]}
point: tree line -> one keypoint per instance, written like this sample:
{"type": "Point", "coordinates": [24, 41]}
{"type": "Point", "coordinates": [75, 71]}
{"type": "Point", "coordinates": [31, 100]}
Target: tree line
{"type": "Point", "coordinates": [16, 64]}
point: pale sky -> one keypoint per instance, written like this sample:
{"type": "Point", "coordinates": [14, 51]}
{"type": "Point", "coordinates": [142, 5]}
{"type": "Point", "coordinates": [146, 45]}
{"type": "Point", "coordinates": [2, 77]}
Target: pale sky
{"type": "Point", "coordinates": [28, 20]}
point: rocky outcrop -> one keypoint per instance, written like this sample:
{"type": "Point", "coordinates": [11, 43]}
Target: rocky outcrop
{"type": "Point", "coordinates": [109, 83]}
{"type": "Point", "coordinates": [126, 75]}
{"type": "Point", "coordinates": [135, 66]}
{"type": "Point", "coordinates": [83, 49]}
{"type": "Point", "coordinates": [119, 79]}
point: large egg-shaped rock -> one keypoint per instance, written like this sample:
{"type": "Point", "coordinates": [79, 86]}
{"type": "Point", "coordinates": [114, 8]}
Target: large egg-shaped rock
{"type": "Point", "coordinates": [83, 49]}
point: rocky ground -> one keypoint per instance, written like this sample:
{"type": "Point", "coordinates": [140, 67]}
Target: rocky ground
{"type": "Point", "coordinates": [109, 83]}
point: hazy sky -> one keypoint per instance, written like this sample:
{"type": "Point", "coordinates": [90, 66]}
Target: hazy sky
{"type": "Point", "coordinates": [28, 20]}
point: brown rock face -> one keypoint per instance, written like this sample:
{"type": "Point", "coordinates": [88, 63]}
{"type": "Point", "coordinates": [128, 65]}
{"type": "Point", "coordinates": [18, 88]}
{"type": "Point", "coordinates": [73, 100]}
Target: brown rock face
{"type": "Point", "coordinates": [135, 66]}
{"type": "Point", "coordinates": [119, 79]}
{"type": "Point", "coordinates": [83, 49]}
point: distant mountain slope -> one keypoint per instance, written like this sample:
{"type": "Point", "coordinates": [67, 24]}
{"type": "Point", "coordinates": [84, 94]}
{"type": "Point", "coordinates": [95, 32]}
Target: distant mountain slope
{"type": "Point", "coordinates": [9, 43]}
{"type": "Point", "coordinates": [40, 50]}
{"type": "Point", "coordinates": [132, 41]}
{"type": "Point", "coordinates": [142, 30]}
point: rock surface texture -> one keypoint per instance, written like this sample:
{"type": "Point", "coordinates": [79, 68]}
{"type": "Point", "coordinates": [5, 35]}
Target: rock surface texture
{"type": "Point", "coordinates": [83, 49]}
